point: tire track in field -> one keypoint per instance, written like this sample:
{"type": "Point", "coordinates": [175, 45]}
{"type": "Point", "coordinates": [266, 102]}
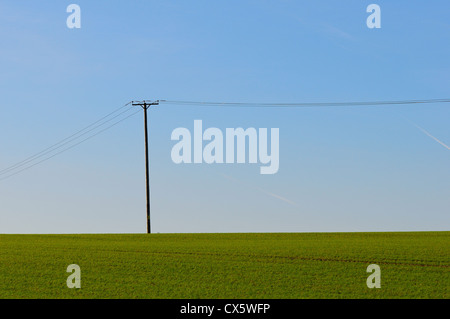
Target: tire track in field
{"type": "Point", "coordinates": [395, 263]}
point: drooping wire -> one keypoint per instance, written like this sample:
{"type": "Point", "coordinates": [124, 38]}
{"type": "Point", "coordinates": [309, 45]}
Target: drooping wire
{"type": "Point", "coordinates": [70, 147]}
{"type": "Point", "coordinates": [91, 127]}
{"type": "Point", "coordinates": [320, 104]}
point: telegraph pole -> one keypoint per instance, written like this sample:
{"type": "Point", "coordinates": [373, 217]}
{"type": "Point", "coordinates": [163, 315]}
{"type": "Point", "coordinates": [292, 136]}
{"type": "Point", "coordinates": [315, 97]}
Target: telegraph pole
{"type": "Point", "coordinates": [145, 105]}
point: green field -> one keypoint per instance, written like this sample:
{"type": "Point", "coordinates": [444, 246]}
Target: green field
{"type": "Point", "coordinates": [284, 265]}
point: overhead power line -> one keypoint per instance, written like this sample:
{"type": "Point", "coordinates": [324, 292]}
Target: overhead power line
{"type": "Point", "coordinates": [92, 130]}
{"type": "Point", "coordinates": [66, 143]}
{"type": "Point", "coordinates": [13, 170]}
{"type": "Point", "coordinates": [302, 104]}
{"type": "Point", "coordinates": [66, 140]}
{"type": "Point", "coordinates": [57, 146]}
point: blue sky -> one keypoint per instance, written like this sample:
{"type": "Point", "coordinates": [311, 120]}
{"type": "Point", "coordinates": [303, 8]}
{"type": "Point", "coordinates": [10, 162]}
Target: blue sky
{"type": "Point", "coordinates": [346, 169]}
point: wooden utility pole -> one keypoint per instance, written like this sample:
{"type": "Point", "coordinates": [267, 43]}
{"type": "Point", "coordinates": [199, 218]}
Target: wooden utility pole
{"type": "Point", "coordinates": [145, 105]}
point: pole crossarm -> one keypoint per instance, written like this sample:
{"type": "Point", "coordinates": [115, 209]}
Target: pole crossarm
{"type": "Point", "coordinates": [145, 104]}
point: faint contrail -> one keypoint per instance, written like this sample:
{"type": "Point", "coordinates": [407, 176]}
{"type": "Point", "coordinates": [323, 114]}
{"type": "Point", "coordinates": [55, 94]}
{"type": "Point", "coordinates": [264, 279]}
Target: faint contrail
{"type": "Point", "coordinates": [263, 191]}
{"type": "Point", "coordinates": [428, 134]}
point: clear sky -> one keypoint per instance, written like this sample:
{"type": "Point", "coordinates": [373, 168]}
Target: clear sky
{"type": "Point", "coordinates": [341, 169]}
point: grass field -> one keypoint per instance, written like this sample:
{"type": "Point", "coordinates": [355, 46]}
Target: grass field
{"type": "Point", "coordinates": [285, 265]}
